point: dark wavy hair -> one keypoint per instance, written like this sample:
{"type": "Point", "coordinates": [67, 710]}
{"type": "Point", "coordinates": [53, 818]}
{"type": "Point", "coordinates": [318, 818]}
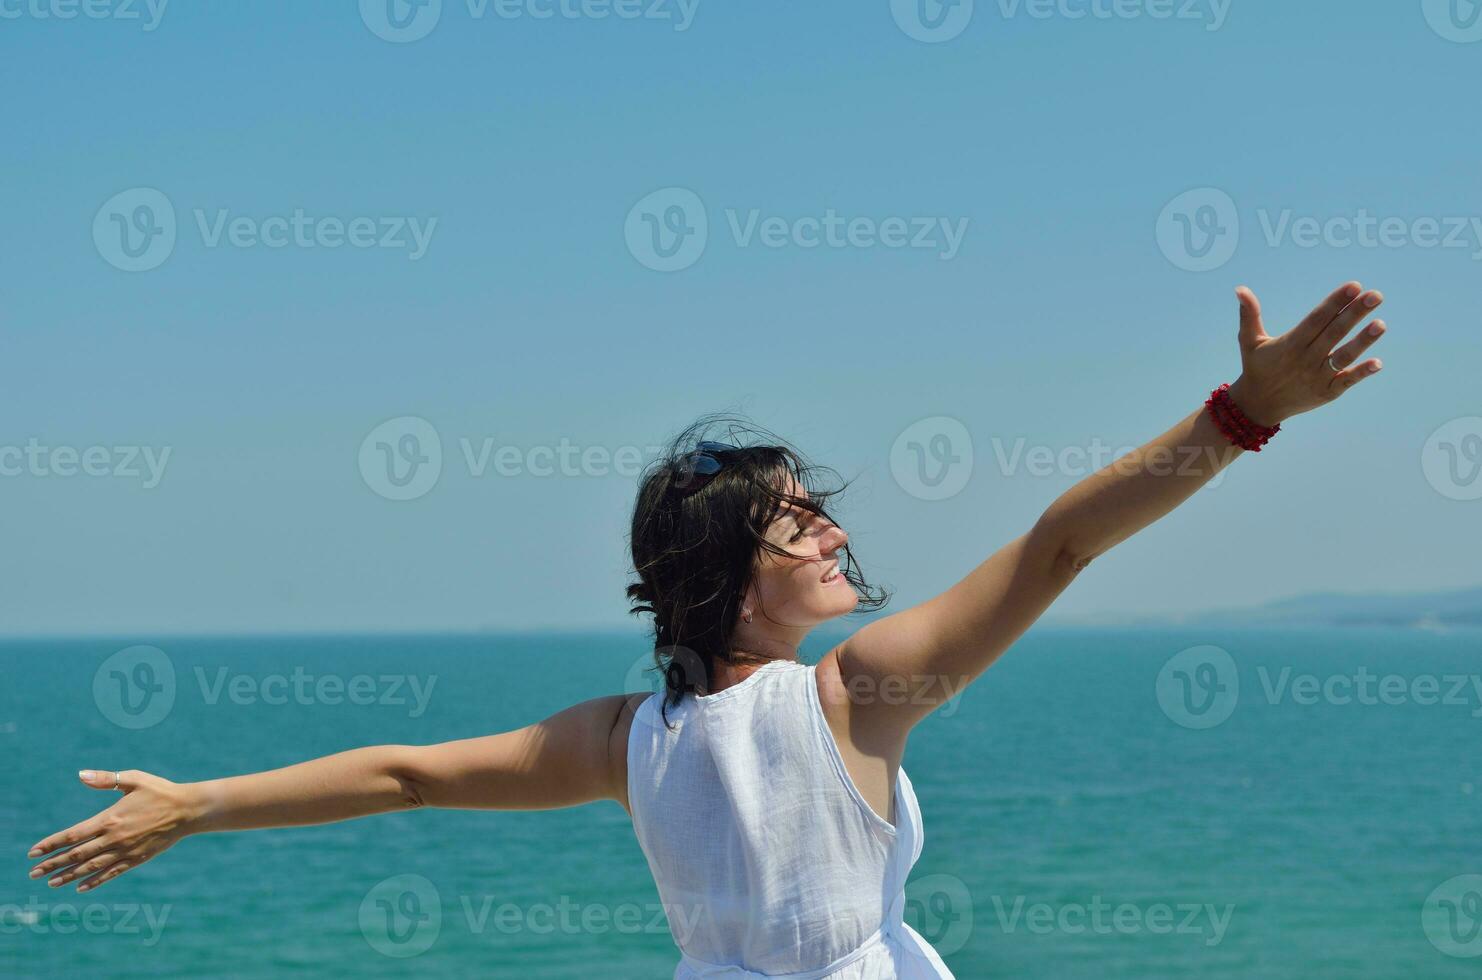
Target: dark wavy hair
{"type": "Point", "coordinates": [695, 540]}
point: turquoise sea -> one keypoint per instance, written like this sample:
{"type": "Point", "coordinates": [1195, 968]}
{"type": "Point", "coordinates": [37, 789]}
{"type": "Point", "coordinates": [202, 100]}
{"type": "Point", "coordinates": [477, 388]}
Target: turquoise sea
{"type": "Point", "coordinates": [1102, 803]}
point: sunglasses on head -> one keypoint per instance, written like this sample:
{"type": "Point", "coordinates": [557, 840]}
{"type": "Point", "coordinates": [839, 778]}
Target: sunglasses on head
{"type": "Point", "coordinates": [699, 465]}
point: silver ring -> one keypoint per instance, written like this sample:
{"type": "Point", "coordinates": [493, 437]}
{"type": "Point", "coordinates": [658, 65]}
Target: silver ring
{"type": "Point", "coordinates": [1331, 367]}
{"type": "Point", "coordinates": [115, 779]}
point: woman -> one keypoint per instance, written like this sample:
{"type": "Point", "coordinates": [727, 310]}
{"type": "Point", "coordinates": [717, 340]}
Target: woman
{"type": "Point", "coordinates": [768, 796]}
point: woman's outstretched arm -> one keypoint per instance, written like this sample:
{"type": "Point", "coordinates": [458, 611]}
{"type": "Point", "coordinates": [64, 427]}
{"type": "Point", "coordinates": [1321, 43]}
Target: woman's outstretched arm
{"type": "Point", "coordinates": [955, 636]}
{"type": "Point", "coordinates": [575, 756]}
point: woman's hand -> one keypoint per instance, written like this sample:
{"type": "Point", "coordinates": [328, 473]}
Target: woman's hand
{"type": "Point", "coordinates": [153, 814]}
{"type": "Point", "coordinates": [1287, 375]}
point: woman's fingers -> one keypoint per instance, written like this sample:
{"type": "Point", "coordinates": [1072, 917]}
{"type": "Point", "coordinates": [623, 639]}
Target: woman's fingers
{"type": "Point", "coordinates": [1351, 351]}
{"type": "Point", "coordinates": [1323, 313]}
{"type": "Point", "coordinates": [1349, 377]}
{"type": "Point", "coordinates": [98, 778]}
{"type": "Point", "coordinates": [75, 834]}
{"type": "Point", "coordinates": [1348, 318]}
{"type": "Point", "coordinates": [122, 780]}
{"type": "Point", "coordinates": [81, 852]}
{"type": "Point", "coordinates": [1251, 329]}
{"type": "Point", "coordinates": [92, 866]}
{"type": "Point", "coordinates": [108, 875]}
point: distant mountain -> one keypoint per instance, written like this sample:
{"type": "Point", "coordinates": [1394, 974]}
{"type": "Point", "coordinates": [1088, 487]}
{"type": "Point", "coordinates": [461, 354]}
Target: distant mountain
{"type": "Point", "coordinates": [1420, 610]}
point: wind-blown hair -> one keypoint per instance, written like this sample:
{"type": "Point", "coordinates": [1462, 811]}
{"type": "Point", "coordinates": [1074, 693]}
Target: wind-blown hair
{"type": "Point", "coordinates": [695, 540]}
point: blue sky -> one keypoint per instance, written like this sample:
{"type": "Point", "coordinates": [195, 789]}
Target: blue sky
{"type": "Point", "coordinates": [529, 314]}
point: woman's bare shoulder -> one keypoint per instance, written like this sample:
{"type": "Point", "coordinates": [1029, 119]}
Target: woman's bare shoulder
{"type": "Point", "coordinates": [617, 743]}
{"type": "Point", "coordinates": [848, 703]}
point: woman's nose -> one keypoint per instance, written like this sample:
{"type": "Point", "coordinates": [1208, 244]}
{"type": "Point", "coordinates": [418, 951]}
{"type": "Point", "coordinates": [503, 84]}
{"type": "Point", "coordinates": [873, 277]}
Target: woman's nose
{"type": "Point", "coordinates": [833, 539]}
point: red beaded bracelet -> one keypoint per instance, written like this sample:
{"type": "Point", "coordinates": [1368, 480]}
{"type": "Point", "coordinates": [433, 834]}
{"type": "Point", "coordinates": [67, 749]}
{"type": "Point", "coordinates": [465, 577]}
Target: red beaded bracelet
{"type": "Point", "coordinates": [1234, 424]}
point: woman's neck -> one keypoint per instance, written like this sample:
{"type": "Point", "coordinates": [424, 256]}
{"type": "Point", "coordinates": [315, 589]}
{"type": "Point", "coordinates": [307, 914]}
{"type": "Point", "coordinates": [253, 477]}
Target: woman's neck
{"type": "Point", "coordinates": [752, 652]}
{"type": "Point", "coordinates": [770, 642]}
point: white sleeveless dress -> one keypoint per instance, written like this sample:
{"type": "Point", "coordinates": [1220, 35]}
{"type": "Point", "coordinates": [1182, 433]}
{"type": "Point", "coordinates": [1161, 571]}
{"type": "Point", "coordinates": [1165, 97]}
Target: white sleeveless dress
{"type": "Point", "coordinates": [769, 862]}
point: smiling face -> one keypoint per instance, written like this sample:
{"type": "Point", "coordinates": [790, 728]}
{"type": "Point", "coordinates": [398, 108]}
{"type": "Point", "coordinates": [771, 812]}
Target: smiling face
{"type": "Point", "coordinates": [737, 561]}
{"type": "Point", "coordinates": [807, 586]}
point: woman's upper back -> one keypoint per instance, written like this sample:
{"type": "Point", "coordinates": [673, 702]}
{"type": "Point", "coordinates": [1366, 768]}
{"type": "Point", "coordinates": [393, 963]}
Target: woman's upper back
{"type": "Point", "coordinates": [764, 851]}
